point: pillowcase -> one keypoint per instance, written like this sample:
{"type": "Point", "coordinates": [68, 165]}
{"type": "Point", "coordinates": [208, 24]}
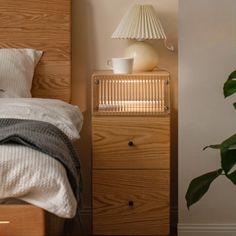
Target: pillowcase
{"type": "Point", "coordinates": [17, 71]}
{"type": "Point", "coordinates": [68, 118]}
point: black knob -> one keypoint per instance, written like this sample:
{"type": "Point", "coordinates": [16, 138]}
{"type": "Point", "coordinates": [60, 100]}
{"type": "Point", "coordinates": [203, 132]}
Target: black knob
{"type": "Point", "coordinates": [130, 143]}
{"type": "Point", "coordinates": [131, 203]}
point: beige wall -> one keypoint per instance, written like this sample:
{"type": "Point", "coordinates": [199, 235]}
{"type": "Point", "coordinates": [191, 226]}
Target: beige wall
{"type": "Point", "coordinates": [93, 23]}
{"type": "Point", "coordinates": [207, 54]}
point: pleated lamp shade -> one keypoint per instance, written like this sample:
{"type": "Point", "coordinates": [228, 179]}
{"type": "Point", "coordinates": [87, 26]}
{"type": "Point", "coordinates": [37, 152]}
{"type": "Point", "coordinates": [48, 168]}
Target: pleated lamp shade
{"type": "Point", "coordinates": [140, 22]}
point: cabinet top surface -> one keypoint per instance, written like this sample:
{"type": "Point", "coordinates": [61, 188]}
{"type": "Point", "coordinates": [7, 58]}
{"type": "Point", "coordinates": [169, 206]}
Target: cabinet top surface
{"type": "Point", "coordinates": [109, 72]}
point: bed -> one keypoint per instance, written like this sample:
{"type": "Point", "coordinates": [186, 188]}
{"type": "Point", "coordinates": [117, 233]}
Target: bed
{"type": "Point", "coordinates": [43, 25]}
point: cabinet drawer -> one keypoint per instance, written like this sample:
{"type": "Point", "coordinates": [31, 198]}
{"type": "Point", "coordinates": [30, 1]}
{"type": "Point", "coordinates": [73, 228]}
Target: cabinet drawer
{"type": "Point", "coordinates": [131, 142]}
{"type": "Point", "coordinates": [132, 202]}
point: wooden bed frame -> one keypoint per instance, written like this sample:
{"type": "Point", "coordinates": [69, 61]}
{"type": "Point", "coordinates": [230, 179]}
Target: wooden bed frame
{"type": "Point", "coordinates": [43, 25]}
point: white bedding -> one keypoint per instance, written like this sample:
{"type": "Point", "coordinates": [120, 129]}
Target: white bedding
{"type": "Point", "coordinates": [30, 175]}
{"type": "Point", "coordinates": [36, 178]}
{"type": "Point", "coordinates": [68, 118]}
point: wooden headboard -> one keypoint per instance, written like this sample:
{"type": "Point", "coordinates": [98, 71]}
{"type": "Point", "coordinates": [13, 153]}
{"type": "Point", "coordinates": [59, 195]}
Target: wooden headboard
{"type": "Point", "coordinates": [43, 25]}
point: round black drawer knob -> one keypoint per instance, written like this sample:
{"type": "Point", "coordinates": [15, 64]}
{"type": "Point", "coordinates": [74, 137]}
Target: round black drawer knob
{"type": "Point", "coordinates": [130, 143]}
{"type": "Point", "coordinates": [131, 203]}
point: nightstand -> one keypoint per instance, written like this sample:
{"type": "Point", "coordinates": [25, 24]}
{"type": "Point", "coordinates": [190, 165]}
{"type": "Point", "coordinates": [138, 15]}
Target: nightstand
{"type": "Point", "coordinates": [131, 153]}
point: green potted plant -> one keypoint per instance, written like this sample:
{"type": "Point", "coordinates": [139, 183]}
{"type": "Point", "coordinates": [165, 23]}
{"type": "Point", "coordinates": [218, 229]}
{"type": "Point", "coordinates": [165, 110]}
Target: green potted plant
{"type": "Point", "coordinates": [200, 185]}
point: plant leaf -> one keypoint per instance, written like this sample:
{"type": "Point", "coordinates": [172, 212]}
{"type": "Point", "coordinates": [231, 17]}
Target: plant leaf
{"type": "Point", "coordinates": [214, 146]}
{"type": "Point", "coordinates": [232, 75]}
{"type": "Point", "coordinates": [232, 177]}
{"type": "Point", "coordinates": [199, 186]}
{"type": "Point", "coordinates": [230, 85]}
{"type": "Point", "coordinates": [229, 142]}
{"type": "Point", "coordinates": [228, 153]}
{"type": "Point", "coordinates": [234, 105]}
{"type": "Point", "coordinates": [228, 159]}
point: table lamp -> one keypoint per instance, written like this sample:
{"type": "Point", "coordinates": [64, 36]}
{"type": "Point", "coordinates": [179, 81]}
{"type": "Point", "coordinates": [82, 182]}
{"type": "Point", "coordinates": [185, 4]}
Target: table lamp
{"type": "Point", "coordinates": [141, 23]}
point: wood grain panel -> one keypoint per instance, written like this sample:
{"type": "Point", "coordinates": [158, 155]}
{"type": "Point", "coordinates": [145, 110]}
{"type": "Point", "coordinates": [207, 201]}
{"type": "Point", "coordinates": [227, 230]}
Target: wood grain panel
{"type": "Point", "coordinates": [28, 220]}
{"type": "Point", "coordinates": [44, 25]}
{"type": "Point", "coordinates": [23, 220]}
{"type": "Point", "coordinates": [26, 35]}
{"type": "Point", "coordinates": [38, 19]}
{"type": "Point", "coordinates": [114, 189]}
{"type": "Point", "coordinates": [35, 6]}
{"type": "Point", "coordinates": [52, 76]}
{"type": "Point", "coordinates": [61, 53]}
{"type": "Point", "coordinates": [150, 137]}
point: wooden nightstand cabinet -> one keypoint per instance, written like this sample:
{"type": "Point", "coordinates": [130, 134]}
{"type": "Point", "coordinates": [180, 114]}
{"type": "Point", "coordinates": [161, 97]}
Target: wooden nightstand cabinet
{"type": "Point", "coordinates": [131, 158]}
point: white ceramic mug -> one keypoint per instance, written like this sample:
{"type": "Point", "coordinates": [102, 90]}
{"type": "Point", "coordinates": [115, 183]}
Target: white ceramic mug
{"type": "Point", "coordinates": [122, 65]}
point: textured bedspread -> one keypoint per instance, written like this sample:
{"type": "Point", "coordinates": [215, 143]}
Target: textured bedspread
{"type": "Point", "coordinates": [35, 136]}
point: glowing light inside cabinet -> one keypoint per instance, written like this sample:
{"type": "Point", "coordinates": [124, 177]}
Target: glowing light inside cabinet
{"type": "Point", "coordinates": [132, 95]}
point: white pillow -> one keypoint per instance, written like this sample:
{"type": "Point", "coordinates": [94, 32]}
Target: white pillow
{"type": "Point", "coordinates": [17, 71]}
{"type": "Point", "coordinates": [68, 118]}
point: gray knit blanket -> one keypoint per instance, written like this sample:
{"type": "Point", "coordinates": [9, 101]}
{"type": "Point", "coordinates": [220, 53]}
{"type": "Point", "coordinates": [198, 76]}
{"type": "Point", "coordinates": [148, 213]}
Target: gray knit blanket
{"type": "Point", "coordinates": [46, 138]}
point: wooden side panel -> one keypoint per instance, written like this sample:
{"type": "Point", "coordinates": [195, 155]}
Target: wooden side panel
{"type": "Point", "coordinates": [44, 25]}
{"type": "Point", "coordinates": [28, 220]}
{"type": "Point", "coordinates": [21, 220]}
{"type": "Point", "coordinates": [150, 137]}
{"type": "Point", "coordinates": [132, 202]}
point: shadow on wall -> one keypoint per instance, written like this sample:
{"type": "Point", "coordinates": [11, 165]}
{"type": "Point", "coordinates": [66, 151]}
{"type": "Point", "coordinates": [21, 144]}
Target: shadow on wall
{"type": "Point", "coordinates": [83, 48]}
{"type": "Point", "coordinates": [82, 64]}
{"type": "Point", "coordinates": [169, 61]}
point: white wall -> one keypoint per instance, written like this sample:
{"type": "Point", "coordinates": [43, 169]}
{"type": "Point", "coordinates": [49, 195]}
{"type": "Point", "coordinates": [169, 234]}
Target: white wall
{"type": "Point", "coordinates": [207, 54]}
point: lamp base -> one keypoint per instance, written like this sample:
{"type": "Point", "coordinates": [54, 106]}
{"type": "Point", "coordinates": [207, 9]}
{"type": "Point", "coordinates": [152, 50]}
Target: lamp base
{"type": "Point", "coordinates": [144, 54]}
